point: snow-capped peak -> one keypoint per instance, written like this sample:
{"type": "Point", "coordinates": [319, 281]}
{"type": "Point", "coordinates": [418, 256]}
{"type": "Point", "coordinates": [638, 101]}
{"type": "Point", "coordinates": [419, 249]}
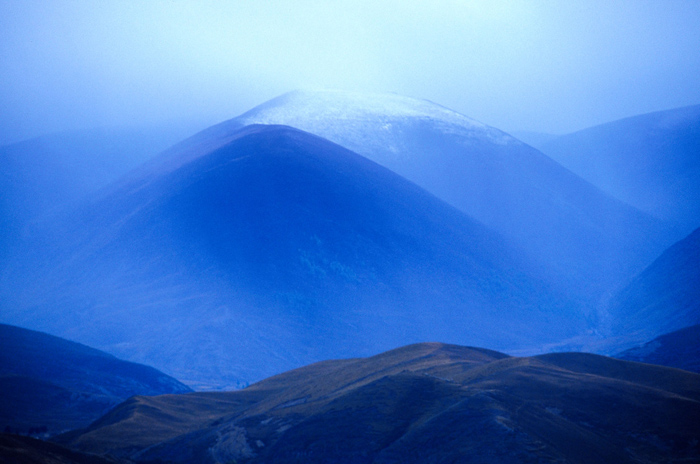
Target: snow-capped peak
{"type": "Point", "coordinates": [315, 111]}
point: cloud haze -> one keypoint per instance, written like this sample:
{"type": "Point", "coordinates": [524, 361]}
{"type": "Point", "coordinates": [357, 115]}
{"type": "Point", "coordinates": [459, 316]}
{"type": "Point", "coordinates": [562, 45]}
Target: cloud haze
{"type": "Point", "coordinates": [523, 65]}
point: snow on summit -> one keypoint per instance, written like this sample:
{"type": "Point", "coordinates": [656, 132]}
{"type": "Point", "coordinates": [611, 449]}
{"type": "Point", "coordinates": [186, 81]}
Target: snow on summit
{"type": "Point", "coordinates": [320, 112]}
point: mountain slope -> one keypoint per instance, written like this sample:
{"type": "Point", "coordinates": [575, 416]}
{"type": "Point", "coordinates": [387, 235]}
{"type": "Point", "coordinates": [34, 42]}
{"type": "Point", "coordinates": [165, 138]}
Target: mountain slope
{"type": "Point", "coordinates": [663, 298]}
{"type": "Point", "coordinates": [679, 349]}
{"type": "Point", "coordinates": [421, 403]}
{"type": "Point", "coordinates": [589, 239]}
{"type": "Point", "coordinates": [51, 384]}
{"type": "Point", "coordinates": [278, 249]}
{"type": "Point", "coordinates": [650, 161]}
{"type": "Point", "coordinates": [39, 177]}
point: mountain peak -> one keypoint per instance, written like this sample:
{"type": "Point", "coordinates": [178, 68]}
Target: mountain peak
{"type": "Point", "coordinates": [304, 108]}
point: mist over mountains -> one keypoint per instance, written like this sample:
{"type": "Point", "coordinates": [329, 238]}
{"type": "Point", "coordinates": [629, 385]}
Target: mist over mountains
{"type": "Point", "coordinates": [588, 239]}
{"type": "Point", "coordinates": [331, 225]}
{"type": "Point", "coordinates": [269, 244]}
{"type": "Point", "coordinates": [287, 248]}
{"type": "Point", "coordinates": [649, 161]}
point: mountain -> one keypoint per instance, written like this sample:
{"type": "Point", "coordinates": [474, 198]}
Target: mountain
{"type": "Point", "coordinates": [50, 385]}
{"type": "Point", "coordinates": [277, 249]}
{"type": "Point", "coordinates": [679, 349]}
{"type": "Point", "coordinates": [649, 161]}
{"type": "Point", "coordinates": [428, 402]}
{"type": "Point", "coordinates": [40, 176]}
{"type": "Point", "coordinates": [663, 298]}
{"type": "Point", "coordinates": [590, 240]}
{"type": "Point", "coordinates": [16, 449]}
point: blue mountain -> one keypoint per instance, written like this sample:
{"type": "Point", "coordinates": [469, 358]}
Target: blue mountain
{"type": "Point", "coordinates": [649, 161]}
{"type": "Point", "coordinates": [665, 297]}
{"type": "Point", "coordinates": [588, 240]}
{"type": "Point", "coordinates": [268, 248]}
{"type": "Point", "coordinates": [44, 175]}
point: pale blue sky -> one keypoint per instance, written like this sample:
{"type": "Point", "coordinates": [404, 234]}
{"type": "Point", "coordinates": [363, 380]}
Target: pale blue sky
{"type": "Point", "coordinates": [548, 66]}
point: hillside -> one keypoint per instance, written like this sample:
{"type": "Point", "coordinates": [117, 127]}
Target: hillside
{"type": "Point", "coordinates": [15, 449]}
{"type": "Point", "coordinates": [589, 241]}
{"type": "Point", "coordinates": [41, 176]}
{"type": "Point", "coordinates": [661, 299]}
{"type": "Point", "coordinates": [421, 403]}
{"type": "Point", "coordinates": [679, 349]}
{"type": "Point", "coordinates": [51, 385]}
{"type": "Point", "coordinates": [274, 250]}
{"type": "Point", "coordinates": [649, 161]}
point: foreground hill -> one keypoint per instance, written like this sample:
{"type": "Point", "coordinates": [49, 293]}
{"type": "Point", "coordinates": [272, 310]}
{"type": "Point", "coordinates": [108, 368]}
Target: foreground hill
{"type": "Point", "coordinates": [650, 161]}
{"type": "Point", "coordinates": [16, 449]}
{"type": "Point", "coordinates": [277, 249]}
{"type": "Point", "coordinates": [663, 298]}
{"type": "Point", "coordinates": [49, 385]}
{"type": "Point", "coordinates": [590, 240]}
{"type": "Point", "coordinates": [679, 349]}
{"type": "Point", "coordinates": [421, 403]}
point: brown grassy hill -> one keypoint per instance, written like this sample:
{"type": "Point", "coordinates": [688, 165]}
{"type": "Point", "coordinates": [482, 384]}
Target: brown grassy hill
{"type": "Point", "coordinates": [421, 403]}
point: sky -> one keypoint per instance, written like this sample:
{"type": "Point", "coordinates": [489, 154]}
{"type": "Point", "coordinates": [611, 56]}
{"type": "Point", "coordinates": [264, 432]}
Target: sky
{"type": "Point", "coordinates": [530, 65]}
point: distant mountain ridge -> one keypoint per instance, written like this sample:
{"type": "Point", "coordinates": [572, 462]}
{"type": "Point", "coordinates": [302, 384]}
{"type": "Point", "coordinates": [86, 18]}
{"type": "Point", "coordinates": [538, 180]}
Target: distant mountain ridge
{"type": "Point", "coordinates": [277, 249]}
{"type": "Point", "coordinates": [588, 239]}
{"type": "Point", "coordinates": [650, 161]}
{"type": "Point", "coordinates": [44, 175]}
{"type": "Point", "coordinates": [427, 402]}
{"type": "Point", "coordinates": [51, 384]}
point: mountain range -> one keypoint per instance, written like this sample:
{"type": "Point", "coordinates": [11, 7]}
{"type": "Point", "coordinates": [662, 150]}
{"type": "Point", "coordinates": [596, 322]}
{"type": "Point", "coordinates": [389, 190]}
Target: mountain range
{"type": "Point", "coordinates": [334, 225]}
{"type": "Point", "coordinates": [589, 240]}
{"type": "Point", "coordinates": [251, 249]}
{"type": "Point", "coordinates": [649, 161]}
{"type": "Point", "coordinates": [281, 248]}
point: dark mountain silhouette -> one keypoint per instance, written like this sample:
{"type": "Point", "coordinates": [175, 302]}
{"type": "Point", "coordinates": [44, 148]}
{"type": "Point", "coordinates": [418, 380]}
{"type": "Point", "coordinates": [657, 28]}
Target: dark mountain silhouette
{"type": "Point", "coordinates": [274, 250]}
{"type": "Point", "coordinates": [679, 349]}
{"type": "Point", "coordinates": [649, 161]}
{"type": "Point", "coordinates": [590, 240]}
{"type": "Point", "coordinates": [663, 298]}
{"type": "Point", "coordinates": [50, 385]}
{"type": "Point", "coordinates": [16, 449]}
{"type": "Point", "coordinates": [421, 403]}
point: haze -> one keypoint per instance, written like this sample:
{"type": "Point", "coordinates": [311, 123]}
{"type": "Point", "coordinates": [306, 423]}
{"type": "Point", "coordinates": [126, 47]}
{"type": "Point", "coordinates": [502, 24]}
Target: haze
{"type": "Point", "coordinates": [550, 67]}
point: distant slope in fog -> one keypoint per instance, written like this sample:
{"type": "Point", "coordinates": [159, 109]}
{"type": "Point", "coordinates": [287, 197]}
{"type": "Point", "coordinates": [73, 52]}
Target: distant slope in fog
{"type": "Point", "coordinates": [49, 382]}
{"type": "Point", "coordinates": [663, 298]}
{"type": "Point", "coordinates": [41, 176]}
{"type": "Point", "coordinates": [588, 238]}
{"type": "Point", "coordinates": [428, 402]}
{"type": "Point", "coordinates": [277, 249]}
{"type": "Point", "coordinates": [679, 349]}
{"type": "Point", "coordinates": [651, 161]}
